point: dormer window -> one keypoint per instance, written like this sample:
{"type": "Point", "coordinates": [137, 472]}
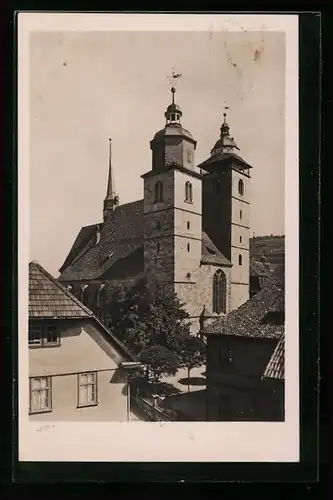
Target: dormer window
{"type": "Point", "coordinates": [158, 191]}
{"type": "Point", "coordinates": [100, 295]}
{"type": "Point", "coordinates": [84, 294]}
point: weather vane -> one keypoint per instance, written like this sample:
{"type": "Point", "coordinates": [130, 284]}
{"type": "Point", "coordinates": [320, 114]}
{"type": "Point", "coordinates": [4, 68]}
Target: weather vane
{"type": "Point", "coordinates": [225, 110]}
{"type": "Point", "coordinates": [173, 78]}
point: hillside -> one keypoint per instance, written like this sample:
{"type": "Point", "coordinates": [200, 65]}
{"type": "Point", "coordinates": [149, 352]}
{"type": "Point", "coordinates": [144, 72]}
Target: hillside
{"type": "Point", "coordinates": [271, 246]}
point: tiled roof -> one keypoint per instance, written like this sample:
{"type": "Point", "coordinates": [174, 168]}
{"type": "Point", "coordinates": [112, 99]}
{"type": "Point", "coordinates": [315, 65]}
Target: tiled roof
{"type": "Point", "coordinates": [210, 254]}
{"type": "Point", "coordinates": [275, 367]}
{"type": "Point", "coordinates": [259, 269]}
{"type": "Point", "coordinates": [84, 238]}
{"type": "Point", "coordinates": [120, 248]}
{"type": "Point", "coordinates": [120, 238]}
{"type": "Point", "coordinates": [49, 299]}
{"type": "Point", "coordinates": [248, 319]}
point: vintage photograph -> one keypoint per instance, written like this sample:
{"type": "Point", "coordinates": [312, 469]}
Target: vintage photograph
{"type": "Point", "coordinates": [157, 233]}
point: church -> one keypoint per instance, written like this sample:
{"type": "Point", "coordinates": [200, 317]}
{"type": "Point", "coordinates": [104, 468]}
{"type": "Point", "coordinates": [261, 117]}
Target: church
{"type": "Point", "coordinates": [189, 233]}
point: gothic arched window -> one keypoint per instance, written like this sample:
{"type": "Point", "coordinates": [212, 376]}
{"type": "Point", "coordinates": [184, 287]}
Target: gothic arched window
{"type": "Point", "coordinates": [219, 292]}
{"type": "Point", "coordinates": [158, 191]}
{"type": "Point", "coordinates": [188, 192]}
{"type": "Point", "coordinates": [240, 186]}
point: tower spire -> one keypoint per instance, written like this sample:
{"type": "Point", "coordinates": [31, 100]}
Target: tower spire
{"type": "Point", "coordinates": [111, 199]}
{"type": "Point", "coordinates": [173, 112]}
{"type": "Point", "coordinates": [110, 188]}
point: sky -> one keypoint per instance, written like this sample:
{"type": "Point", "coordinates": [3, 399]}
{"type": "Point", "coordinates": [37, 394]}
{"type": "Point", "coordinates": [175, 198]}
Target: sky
{"type": "Point", "coordinates": [88, 86]}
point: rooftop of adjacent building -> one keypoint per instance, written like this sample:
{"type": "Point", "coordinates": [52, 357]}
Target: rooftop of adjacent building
{"type": "Point", "coordinates": [262, 316]}
{"type": "Point", "coordinates": [48, 299]}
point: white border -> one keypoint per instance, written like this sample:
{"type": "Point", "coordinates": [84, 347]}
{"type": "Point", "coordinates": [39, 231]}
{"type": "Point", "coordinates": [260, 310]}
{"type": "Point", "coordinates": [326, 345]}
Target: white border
{"type": "Point", "coordinates": [175, 442]}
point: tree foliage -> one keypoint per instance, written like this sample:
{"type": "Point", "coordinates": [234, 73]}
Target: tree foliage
{"type": "Point", "coordinates": [160, 361]}
{"type": "Point", "coordinates": [192, 354]}
{"type": "Point", "coordinates": [156, 328]}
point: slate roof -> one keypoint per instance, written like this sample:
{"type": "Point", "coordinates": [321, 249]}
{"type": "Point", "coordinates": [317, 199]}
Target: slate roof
{"type": "Point", "coordinates": [82, 240]}
{"type": "Point", "coordinates": [120, 248]}
{"type": "Point", "coordinates": [48, 299]}
{"type": "Point", "coordinates": [210, 253]}
{"type": "Point", "coordinates": [257, 268]}
{"type": "Point", "coordinates": [173, 130]}
{"type": "Point", "coordinates": [275, 366]}
{"type": "Point", "coordinates": [120, 240]}
{"type": "Point", "coordinates": [221, 157]}
{"type": "Point", "coordinates": [248, 319]}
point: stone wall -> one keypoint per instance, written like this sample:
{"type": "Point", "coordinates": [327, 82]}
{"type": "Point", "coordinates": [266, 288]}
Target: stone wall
{"type": "Point", "coordinates": [198, 292]}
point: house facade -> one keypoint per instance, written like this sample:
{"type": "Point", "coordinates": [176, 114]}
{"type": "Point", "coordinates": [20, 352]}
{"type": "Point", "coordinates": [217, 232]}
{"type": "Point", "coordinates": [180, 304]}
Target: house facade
{"type": "Point", "coordinates": [239, 351]}
{"type": "Point", "coordinates": [190, 232]}
{"type": "Point", "coordinates": [76, 368]}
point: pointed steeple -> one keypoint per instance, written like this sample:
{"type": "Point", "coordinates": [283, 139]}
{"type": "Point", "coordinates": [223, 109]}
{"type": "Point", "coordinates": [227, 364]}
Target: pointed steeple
{"type": "Point", "coordinates": [111, 199]}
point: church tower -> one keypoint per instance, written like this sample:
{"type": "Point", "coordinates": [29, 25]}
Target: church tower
{"type": "Point", "coordinates": [226, 209]}
{"type": "Point", "coordinates": [111, 198]}
{"type": "Point", "coordinates": [172, 205]}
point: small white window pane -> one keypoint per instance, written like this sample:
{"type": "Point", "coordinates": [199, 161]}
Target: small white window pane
{"type": "Point", "coordinates": [83, 395]}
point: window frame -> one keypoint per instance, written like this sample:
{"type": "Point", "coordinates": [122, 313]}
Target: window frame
{"type": "Point", "coordinates": [94, 384]}
{"type": "Point", "coordinates": [241, 187]}
{"type": "Point", "coordinates": [240, 259]}
{"type": "Point", "coordinates": [158, 192]}
{"type": "Point", "coordinates": [48, 390]}
{"type": "Point", "coordinates": [188, 225]}
{"type": "Point", "coordinates": [189, 156]}
{"type": "Point", "coordinates": [219, 292]}
{"type": "Point", "coordinates": [43, 342]}
{"type": "Point", "coordinates": [188, 192]}
{"type": "Point", "coordinates": [188, 247]}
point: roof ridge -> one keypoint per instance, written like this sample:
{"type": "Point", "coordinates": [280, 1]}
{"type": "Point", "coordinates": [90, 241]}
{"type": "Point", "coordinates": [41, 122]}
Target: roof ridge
{"type": "Point", "coordinates": [62, 288]}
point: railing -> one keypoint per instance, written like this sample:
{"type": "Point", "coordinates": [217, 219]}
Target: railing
{"type": "Point", "coordinates": [152, 412]}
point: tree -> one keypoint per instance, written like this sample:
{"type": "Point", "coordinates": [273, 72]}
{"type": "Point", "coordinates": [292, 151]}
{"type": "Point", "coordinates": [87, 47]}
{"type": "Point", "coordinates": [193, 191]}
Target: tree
{"type": "Point", "coordinates": [159, 361]}
{"type": "Point", "coordinates": [192, 354]}
{"type": "Point", "coordinates": [144, 319]}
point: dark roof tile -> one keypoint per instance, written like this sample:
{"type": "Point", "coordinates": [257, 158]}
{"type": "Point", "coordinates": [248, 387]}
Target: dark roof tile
{"type": "Point", "coordinates": [275, 366]}
{"type": "Point", "coordinates": [247, 320]}
{"type": "Point", "coordinates": [121, 243]}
